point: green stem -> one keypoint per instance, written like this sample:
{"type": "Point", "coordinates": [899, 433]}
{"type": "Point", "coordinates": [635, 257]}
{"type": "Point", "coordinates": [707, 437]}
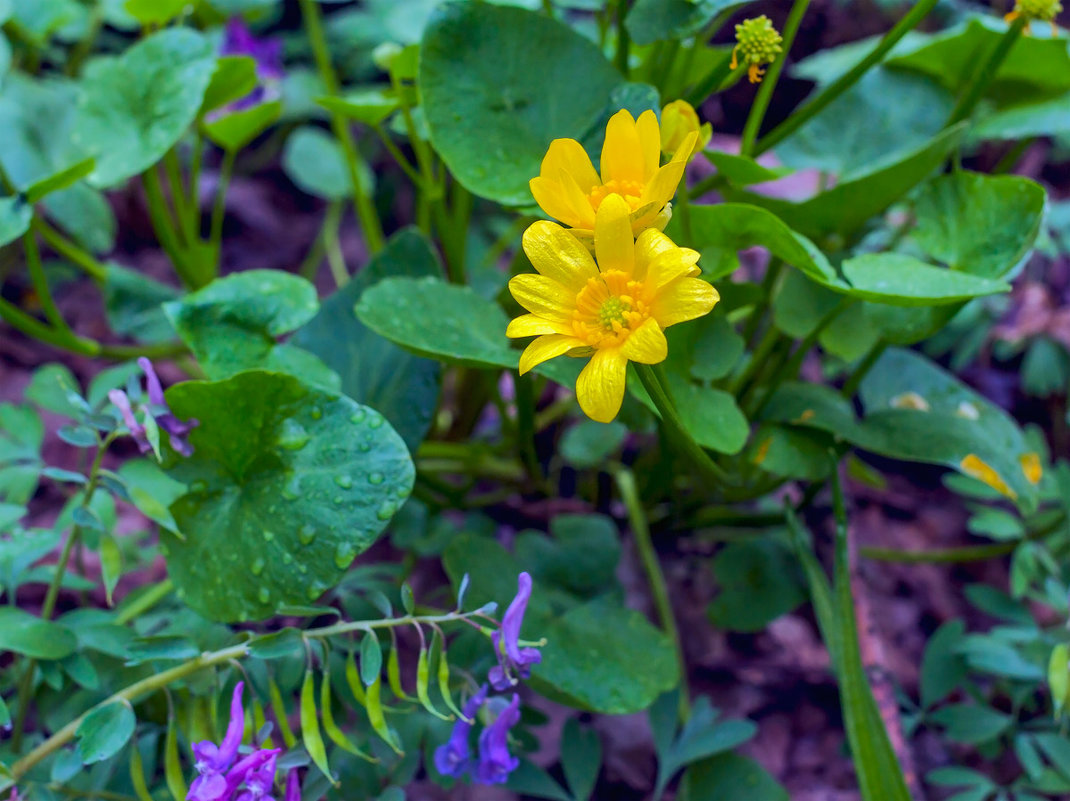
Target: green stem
{"type": "Point", "coordinates": [653, 382]}
{"type": "Point", "coordinates": [173, 169]}
{"type": "Point", "coordinates": [219, 207]}
{"type": "Point", "coordinates": [144, 602]}
{"type": "Point", "coordinates": [158, 350]}
{"type": "Point", "coordinates": [366, 212]}
{"type": "Point", "coordinates": [624, 41]}
{"type": "Point", "coordinates": [756, 362]}
{"type": "Point", "coordinates": [983, 76]}
{"type": "Point", "coordinates": [33, 327]}
{"type": "Point", "coordinates": [968, 553]}
{"type": "Point", "coordinates": [765, 91]}
{"type": "Point", "coordinates": [852, 384]}
{"type": "Point", "coordinates": [40, 282]}
{"type": "Point", "coordinates": [335, 260]}
{"type": "Point", "coordinates": [525, 423]}
{"type": "Point", "coordinates": [659, 590]}
{"type": "Point", "coordinates": [1012, 156]}
{"type": "Point", "coordinates": [158, 681]}
{"type": "Point", "coordinates": [70, 251]}
{"type": "Point", "coordinates": [399, 157]}
{"type": "Point", "coordinates": [804, 114]}
{"type": "Point", "coordinates": [164, 226]}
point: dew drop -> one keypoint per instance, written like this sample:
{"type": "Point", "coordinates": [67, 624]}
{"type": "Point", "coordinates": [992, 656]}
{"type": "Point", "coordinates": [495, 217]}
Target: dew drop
{"type": "Point", "coordinates": [293, 436]}
{"type": "Point", "coordinates": [375, 478]}
{"type": "Point", "coordinates": [264, 595]}
{"type": "Point", "coordinates": [198, 486]}
{"type": "Point", "coordinates": [287, 558]}
{"type": "Point", "coordinates": [302, 568]}
{"type": "Point", "coordinates": [268, 535]}
{"type": "Point", "coordinates": [257, 566]}
{"type": "Point", "coordinates": [315, 413]}
{"type": "Point", "coordinates": [338, 500]}
{"type": "Point", "coordinates": [358, 416]}
{"type": "Point", "coordinates": [344, 481]}
{"type": "Point", "coordinates": [365, 447]}
{"type": "Point", "coordinates": [306, 534]}
{"type": "Point", "coordinates": [375, 421]}
{"type": "Point", "coordinates": [313, 592]}
{"type": "Point", "coordinates": [386, 511]}
{"type": "Point", "coordinates": [343, 555]}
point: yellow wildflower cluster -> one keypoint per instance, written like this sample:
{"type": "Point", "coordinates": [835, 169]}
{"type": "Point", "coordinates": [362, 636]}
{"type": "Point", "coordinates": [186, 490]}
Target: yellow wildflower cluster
{"type": "Point", "coordinates": [1041, 10]}
{"type": "Point", "coordinates": [757, 44]}
{"type": "Point", "coordinates": [612, 304]}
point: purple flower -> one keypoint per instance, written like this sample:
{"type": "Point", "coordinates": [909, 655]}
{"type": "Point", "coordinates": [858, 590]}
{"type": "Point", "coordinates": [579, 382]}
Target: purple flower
{"type": "Point", "coordinates": [259, 783]}
{"type": "Point", "coordinates": [121, 401]}
{"type": "Point", "coordinates": [248, 767]}
{"type": "Point", "coordinates": [293, 786]}
{"type": "Point", "coordinates": [495, 761]}
{"type": "Point", "coordinates": [177, 430]}
{"type": "Point", "coordinates": [453, 758]}
{"type": "Point", "coordinates": [211, 760]}
{"type": "Point", "coordinates": [238, 40]}
{"type": "Point", "coordinates": [514, 662]}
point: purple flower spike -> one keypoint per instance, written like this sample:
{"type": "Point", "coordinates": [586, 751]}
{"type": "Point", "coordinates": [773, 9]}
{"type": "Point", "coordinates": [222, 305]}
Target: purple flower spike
{"type": "Point", "coordinates": [454, 758]}
{"type": "Point", "coordinates": [121, 401]}
{"type": "Point", "coordinates": [293, 786]}
{"type": "Point", "coordinates": [177, 430]}
{"type": "Point", "coordinates": [212, 761]}
{"type": "Point", "coordinates": [238, 40]}
{"type": "Point", "coordinates": [514, 662]}
{"type": "Point", "coordinates": [259, 783]}
{"type": "Point", "coordinates": [247, 767]}
{"type": "Point", "coordinates": [495, 761]}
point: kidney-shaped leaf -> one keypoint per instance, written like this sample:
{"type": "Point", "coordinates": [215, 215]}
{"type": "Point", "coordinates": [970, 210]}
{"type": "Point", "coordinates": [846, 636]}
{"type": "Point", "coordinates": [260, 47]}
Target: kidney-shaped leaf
{"type": "Point", "coordinates": [901, 280]}
{"type": "Point", "coordinates": [133, 108]}
{"type": "Point", "coordinates": [287, 485]}
{"type": "Point", "coordinates": [498, 84]}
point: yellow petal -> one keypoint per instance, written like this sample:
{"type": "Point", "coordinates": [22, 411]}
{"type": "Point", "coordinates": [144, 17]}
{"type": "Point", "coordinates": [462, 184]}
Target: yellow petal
{"type": "Point", "coordinates": [543, 296]}
{"type": "Point", "coordinates": [557, 254]}
{"type": "Point", "coordinates": [552, 199]}
{"type": "Point", "coordinates": [530, 325]}
{"type": "Point", "coordinates": [648, 245]}
{"type": "Point", "coordinates": [569, 155]}
{"type": "Point", "coordinates": [646, 344]}
{"type": "Point", "coordinates": [683, 299]}
{"type": "Point", "coordinates": [672, 264]}
{"type": "Point", "coordinates": [600, 387]}
{"type": "Point", "coordinates": [622, 154]}
{"type": "Point", "coordinates": [613, 243]}
{"type": "Point", "coordinates": [579, 202]}
{"type": "Point", "coordinates": [649, 142]}
{"type": "Point", "coordinates": [544, 348]}
{"type": "Point", "coordinates": [661, 189]}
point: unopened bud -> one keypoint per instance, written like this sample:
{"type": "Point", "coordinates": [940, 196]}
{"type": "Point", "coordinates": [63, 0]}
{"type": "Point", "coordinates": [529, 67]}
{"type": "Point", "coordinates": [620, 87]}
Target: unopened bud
{"type": "Point", "coordinates": [678, 119]}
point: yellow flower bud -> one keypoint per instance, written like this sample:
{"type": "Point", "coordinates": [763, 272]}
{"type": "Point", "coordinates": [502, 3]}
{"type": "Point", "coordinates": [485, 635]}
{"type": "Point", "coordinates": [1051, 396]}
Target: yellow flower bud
{"type": "Point", "coordinates": [678, 119]}
{"type": "Point", "coordinates": [757, 44]}
{"type": "Point", "coordinates": [1042, 10]}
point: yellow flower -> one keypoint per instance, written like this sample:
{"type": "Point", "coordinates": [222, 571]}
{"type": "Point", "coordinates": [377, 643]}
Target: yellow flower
{"type": "Point", "coordinates": [613, 307]}
{"type": "Point", "coordinates": [1043, 10]}
{"type": "Point", "coordinates": [757, 44]}
{"type": "Point", "coordinates": [678, 119]}
{"type": "Point", "coordinates": [569, 189]}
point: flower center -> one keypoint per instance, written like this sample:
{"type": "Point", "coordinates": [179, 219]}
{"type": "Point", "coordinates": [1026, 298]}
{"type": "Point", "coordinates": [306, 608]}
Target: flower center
{"type": "Point", "coordinates": [631, 191]}
{"type": "Point", "coordinates": [609, 308]}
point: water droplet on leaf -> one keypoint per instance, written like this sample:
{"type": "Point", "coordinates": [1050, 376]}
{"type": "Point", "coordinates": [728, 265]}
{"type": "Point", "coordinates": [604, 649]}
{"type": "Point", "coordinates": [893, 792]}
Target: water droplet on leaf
{"type": "Point", "coordinates": [306, 534]}
{"type": "Point", "coordinates": [344, 481]}
{"type": "Point", "coordinates": [292, 435]}
{"type": "Point", "coordinates": [257, 566]}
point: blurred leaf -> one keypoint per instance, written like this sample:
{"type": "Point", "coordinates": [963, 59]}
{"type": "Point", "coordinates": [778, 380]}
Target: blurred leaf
{"type": "Point", "coordinates": [369, 105]}
{"type": "Point", "coordinates": [134, 304]}
{"type": "Point", "coordinates": [758, 582]}
{"type": "Point", "coordinates": [589, 444]}
{"type": "Point", "coordinates": [731, 777]}
{"type": "Point", "coordinates": [105, 730]}
{"type": "Point", "coordinates": [971, 724]}
{"type": "Point", "coordinates": [743, 170]}
{"type": "Point", "coordinates": [314, 161]}
{"type": "Point", "coordinates": [900, 280]}
{"type": "Point", "coordinates": [581, 759]}
{"type": "Point", "coordinates": [942, 667]}
{"type": "Point", "coordinates": [34, 637]}
{"type": "Point", "coordinates": [650, 21]}
{"type": "Point", "coordinates": [236, 129]}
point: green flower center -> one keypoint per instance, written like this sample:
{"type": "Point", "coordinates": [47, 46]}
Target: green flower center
{"type": "Point", "coordinates": [613, 310]}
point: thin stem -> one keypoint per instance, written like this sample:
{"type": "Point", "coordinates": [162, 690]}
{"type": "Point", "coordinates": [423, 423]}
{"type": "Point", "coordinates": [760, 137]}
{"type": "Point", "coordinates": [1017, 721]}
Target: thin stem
{"type": "Point", "coordinates": [656, 387]}
{"type": "Point", "coordinates": [33, 327]}
{"type": "Point", "coordinates": [219, 208]}
{"type": "Point", "coordinates": [983, 76]}
{"type": "Point", "coordinates": [967, 553]}
{"type": "Point", "coordinates": [40, 282]}
{"type": "Point", "coordinates": [659, 590]}
{"type": "Point", "coordinates": [70, 251]}
{"type": "Point", "coordinates": [525, 424]}
{"type": "Point", "coordinates": [399, 157]}
{"type": "Point", "coordinates": [159, 350]}
{"type": "Point", "coordinates": [366, 212]}
{"type": "Point", "coordinates": [852, 384]}
{"type": "Point", "coordinates": [624, 41]}
{"type": "Point", "coordinates": [164, 226]}
{"type": "Point", "coordinates": [1013, 156]}
{"type": "Point", "coordinates": [173, 170]}
{"type": "Point", "coordinates": [144, 602]}
{"type": "Point", "coordinates": [804, 114]}
{"type": "Point", "coordinates": [765, 91]}
{"type": "Point", "coordinates": [335, 260]}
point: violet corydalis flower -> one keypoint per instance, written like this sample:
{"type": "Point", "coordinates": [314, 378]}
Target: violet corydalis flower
{"type": "Point", "coordinates": [238, 40]}
{"type": "Point", "coordinates": [293, 786]}
{"type": "Point", "coordinates": [213, 761]}
{"type": "Point", "coordinates": [495, 762]}
{"type": "Point", "coordinates": [514, 662]}
{"type": "Point", "coordinates": [454, 757]}
{"type": "Point", "coordinates": [177, 430]}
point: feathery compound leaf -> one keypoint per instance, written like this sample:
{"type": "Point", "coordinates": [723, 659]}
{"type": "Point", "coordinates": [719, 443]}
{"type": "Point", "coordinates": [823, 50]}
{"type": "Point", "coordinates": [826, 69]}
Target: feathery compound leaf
{"type": "Point", "coordinates": [310, 727]}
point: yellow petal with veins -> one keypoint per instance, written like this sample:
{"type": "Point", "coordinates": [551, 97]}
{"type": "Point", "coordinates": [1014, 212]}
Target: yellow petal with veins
{"type": "Point", "coordinates": [600, 387]}
{"type": "Point", "coordinates": [613, 244]}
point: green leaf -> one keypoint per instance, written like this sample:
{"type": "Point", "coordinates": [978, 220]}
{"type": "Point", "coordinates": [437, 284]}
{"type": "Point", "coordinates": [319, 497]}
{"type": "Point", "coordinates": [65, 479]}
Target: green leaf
{"type": "Point", "coordinates": [430, 317]}
{"type": "Point", "coordinates": [731, 777]}
{"type": "Point", "coordinates": [971, 724]}
{"type": "Point", "coordinates": [21, 436]}
{"type": "Point", "coordinates": [845, 208]}
{"type": "Point", "coordinates": [579, 557]}
{"type": "Point", "coordinates": [1035, 67]}
{"type": "Point", "coordinates": [60, 180]}
{"type": "Point", "coordinates": [984, 225]}
{"type": "Point", "coordinates": [42, 19]}
{"type": "Point", "coordinates": [134, 107]}
{"type": "Point", "coordinates": [266, 446]}
{"type": "Point", "coordinates": [759, 582]}
{"type": "Point", "coordinates": [885, 116]}
{"type": "Point", "coordinates": [591, 659]}
{"type": "Point", "coordinates": [589, 444]}
{"type": "Point", "coordinates": [743, 170]}
{"type": "Point", "coordinates": [581, 759]}
{"type": "Point", "coordinates": [233, 79]}
{"type": "Point", "coordinates": [492, 81]}
{"type": "Point", "coordinates": [703, 735]}
{"type": "Point", "coordinates": [371, 659]}
{"type": "Point", "coordinates": [104, 731]}
{"type": "Point", "coordinates": [650, 21]}
{"type": "Point", "coordinates": [111, 564]}
{"type": "Point", "coordinates": [232, 324]}
{"type": "Point", "coordinates": [236, 129]}
{"type": "Point", "coordinates": [314, 161]}
{"type": "Point", "coordinates": [134, 304]}
{"type": "Point", "coordinates": [31, 636]}
{"type": "Point", "coordinates": [150, 649]}
{"type": "Point", "coordinates": [942, 668]}
{"type": "Point", "coordinates": [154, 12]}
{"type": "Point", "coordinates": [1047, 118]}
{"type": "Point", "coordinates": [375, 371]}
{"type": "Point", "coordinates": [900, 280]}
{"type": "Point", "coordinates": [310, 726]}
{"type": "Point", "coordinates": [15, 217]}
{"type": "Point", "coordinates": [370, 104]}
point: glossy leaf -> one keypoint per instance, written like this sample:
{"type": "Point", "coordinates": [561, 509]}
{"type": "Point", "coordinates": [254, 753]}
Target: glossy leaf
{"type": "Point", "coordinates": [105, 730]}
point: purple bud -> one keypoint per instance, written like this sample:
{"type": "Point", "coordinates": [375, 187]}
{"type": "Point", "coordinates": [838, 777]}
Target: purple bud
{"type": "Point", "coordinates": [514, 662]}
{"type": "Point", "coordinates": [121, 402]}
{"type": "Point", "coordinates": [495, 761]}
{"type": "Point", "coordinates": [454, 757]}
{"type": "Point", "coordinates": [177, 430]}
{"type": "Point", "coordinates": [293, 786]}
